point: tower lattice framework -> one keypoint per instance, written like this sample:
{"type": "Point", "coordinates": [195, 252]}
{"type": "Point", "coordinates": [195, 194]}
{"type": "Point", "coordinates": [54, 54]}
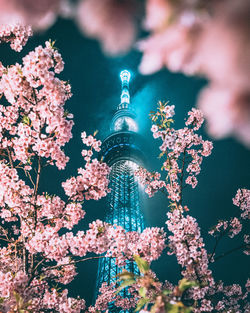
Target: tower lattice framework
{"type": "Point", "coordinates": [122, 151]}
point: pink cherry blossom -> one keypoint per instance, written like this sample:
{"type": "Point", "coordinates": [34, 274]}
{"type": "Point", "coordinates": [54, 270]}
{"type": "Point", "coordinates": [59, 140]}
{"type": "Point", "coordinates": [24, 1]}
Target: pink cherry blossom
{"type": "Point", "coordinates": [210, 42]}
{"type": "Point", "coordinates": [16, 34]}
{"type": "Point", "coordinates": [186, 243]}
{"type": "Point", "coordinates": [242, 200]}
{"type": "Point", "coordinates": [106, 20]}
{"type": "Point", "coordinates": [39, 14]}
{"type": "Point", "coordinates": [232, 113]}
{"type": "Point", "coordinates": [177, 146]}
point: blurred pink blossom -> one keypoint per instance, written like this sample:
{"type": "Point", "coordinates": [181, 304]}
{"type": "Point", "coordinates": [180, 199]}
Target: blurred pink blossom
{"type": "Point", "coordinates": [40, 14]}
{"type": "Point", "coordinates": [208, 38]}
{"type": "Point", "coordinates": [211, 40]}
{"type": "Point", "coordinates": [158, 12]}
{"type": "Point", "coordinates": [110, 21]}
{"type": "Point", "coordinates": [227, 112]}
{"type": "Point", "coordinates": [173, 47]}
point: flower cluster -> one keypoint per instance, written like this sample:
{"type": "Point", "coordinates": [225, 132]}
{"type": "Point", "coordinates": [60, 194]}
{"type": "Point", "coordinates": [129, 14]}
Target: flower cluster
{"type": "Point", "coordinates": [16, 292]}
{"type": "Point", "coordinates": [91, 183]}
{"type": "Point", "coordinates": [35, 122]}
{"type": "Point", "coordinates": [232, 227]}
{"type": "Point", "coordinates": [15, 195]}
{"type": "Point", "coordinates": [93, 143]}
{"type": "Point", "coordinates": [123, 245]}
{"type": "Point", "coordinates": [16, 34]}
{"type": "Point", "coordinates": [60, 302]}
{"type": "Point", "coordinates": [184, 151]}
{"type": "Point", "coordinates": [100, 238]}
{"type": "Point", "coordinates": [151, 180]}
{"type": "Point", "coordinates": [186, 243]}
{"type": "Point", "coordinates": [108, 295]}
{"type": "Point", "coordinates": [105, 20]}
{"type": "Point", "coordinates": [242, 200]}
{"type": "Point", "coordinates": [236, 224]}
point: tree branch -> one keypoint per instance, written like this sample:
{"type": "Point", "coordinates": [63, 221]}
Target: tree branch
{"type": "Point", "coordinates": [10, 158]}
{"type": "Point", "coordinates": [36, 187]}
{"type": "Point", "coordinates": [230, 251]}
{"type": "Point", "coordinates": [74, 262]}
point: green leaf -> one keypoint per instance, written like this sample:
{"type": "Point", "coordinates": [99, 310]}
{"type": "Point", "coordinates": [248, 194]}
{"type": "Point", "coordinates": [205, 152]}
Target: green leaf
{"type": "Point", "coordinates": [166, 292]}
{"type": "Point", "coordinates": [100, 230]}
{"type": "Point", "coordinates": [173, 308]}
{"type": "Point", "coordinates": [17, 296]}
{"type": "Point", "coordinates": [142, 264]}
{"type": "Point", "coordinates": [26, 120]}
{"type": "Point", "coordinates": [52, 44]}
{"type": "Point", "coordinates": [184, 284]}
{"type": "Point", "coordinates": [141, 304]}
{"type": "Point", "coordinates": [125, 284]}
{"type": "Point", "coordinates": [142, 292]}
{"type": "Point", "coordinates": [125, 275]}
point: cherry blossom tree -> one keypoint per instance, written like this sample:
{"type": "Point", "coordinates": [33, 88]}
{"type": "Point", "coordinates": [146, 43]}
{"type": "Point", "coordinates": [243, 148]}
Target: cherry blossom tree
{"type": "Point", "coordinates": [39, 248]}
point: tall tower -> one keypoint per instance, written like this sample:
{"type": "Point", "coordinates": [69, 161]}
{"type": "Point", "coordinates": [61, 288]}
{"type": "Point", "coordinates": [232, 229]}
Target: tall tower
{"type": "Point", "coordinates": [121, 150]}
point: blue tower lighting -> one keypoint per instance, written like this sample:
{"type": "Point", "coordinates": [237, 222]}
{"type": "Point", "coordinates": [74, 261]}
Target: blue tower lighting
{"type": "Point", "coordinates": [125, 78]}
{"type": "Point", "coordinates": [122, 151]}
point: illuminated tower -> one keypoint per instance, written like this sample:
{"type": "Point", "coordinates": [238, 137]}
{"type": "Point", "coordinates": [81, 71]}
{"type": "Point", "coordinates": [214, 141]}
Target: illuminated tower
{"type": "Point", "coordinates": [121, 150]}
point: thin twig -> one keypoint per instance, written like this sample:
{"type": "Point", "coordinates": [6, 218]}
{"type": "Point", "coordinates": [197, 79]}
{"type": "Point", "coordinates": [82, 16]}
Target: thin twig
{"type": "Point", "coordinates": [10, 158]}
{"type": "Point", "coordinates": [229, 252]}
{"type": "Point", "coordinates": [36, 187]}
{"type": "Point", "coordinates": [215, 246]}
{"type": "Point", "coordinates": [182, 173]}
{"type": "Point", "coordinates": [28, 100]}
{"type": "Point", "coordinates": [74, 262]}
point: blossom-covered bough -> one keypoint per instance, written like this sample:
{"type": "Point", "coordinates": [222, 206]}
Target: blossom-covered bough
{"type": "Point", "coordinates": [39, 248]}
{"type": "Point", "coordinates": [183, 151]}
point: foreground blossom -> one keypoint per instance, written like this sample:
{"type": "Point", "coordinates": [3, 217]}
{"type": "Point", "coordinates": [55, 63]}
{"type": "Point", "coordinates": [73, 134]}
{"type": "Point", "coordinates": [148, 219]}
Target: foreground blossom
{"type": "Point", "coordinates": [211, 42]}
{"type": "Point", "coordinates": [206, 38]}
{"type": "Point", "coordinates": [39, 14]}
{"type": "Point", "coordinates": [112, 22]}
{"type": "Point", "coordinates": [16, 34]}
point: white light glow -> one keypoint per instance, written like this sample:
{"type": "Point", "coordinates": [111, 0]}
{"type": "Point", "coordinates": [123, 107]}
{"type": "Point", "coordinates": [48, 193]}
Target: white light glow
{"type": "Point", "coordinates": [125, 123]}
{"type": "Point", "coordinates": [125, 96]}
{"type": "Point", "coordinates": [132, 165]}
{"type": "Point", "coordinates": [125, 75]}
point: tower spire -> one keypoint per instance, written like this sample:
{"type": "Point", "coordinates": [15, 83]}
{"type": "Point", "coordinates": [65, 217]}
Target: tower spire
{"type": "Point", "coordinates": [122, 151]}
{"type": "Point", "coordinates": [125, 97]}
{"type": "Point", "coordinates": [124, 117]}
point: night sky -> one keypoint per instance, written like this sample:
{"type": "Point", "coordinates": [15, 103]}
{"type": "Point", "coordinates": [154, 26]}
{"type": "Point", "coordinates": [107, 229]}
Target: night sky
{"type": "Point", "coordinates": [96, 93]}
